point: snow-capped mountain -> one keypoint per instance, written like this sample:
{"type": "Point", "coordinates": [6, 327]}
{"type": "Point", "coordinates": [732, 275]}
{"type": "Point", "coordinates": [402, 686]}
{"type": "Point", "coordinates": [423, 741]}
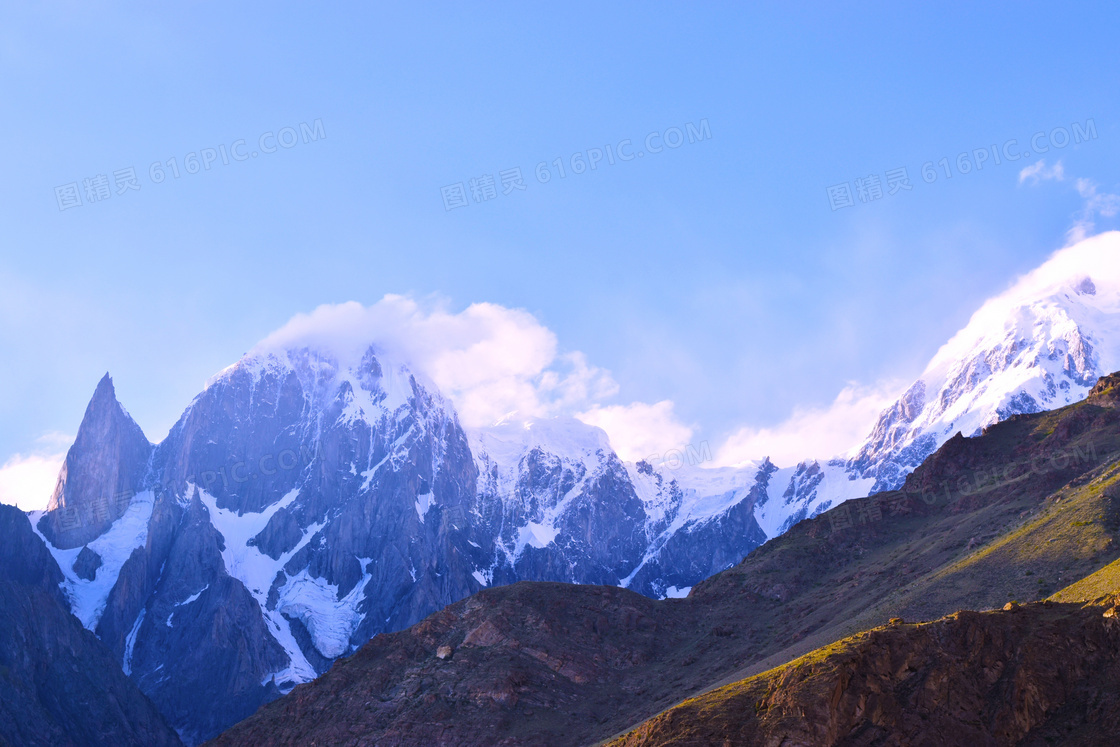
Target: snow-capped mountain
{"type": "Point", "coordinates": [306, 501]}
{"type": "Point", "coordinates": [1038, 346]}
{"type": "Point", "coordinates": [316, 494]}
{"type": "Point", "coordinates": [557, 503]}
{"type": "Point", "coordinates": [299, 506]}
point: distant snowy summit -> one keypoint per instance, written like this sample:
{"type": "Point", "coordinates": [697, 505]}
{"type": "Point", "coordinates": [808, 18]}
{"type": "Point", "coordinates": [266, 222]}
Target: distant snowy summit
{"type": "Point", "coordinates": [1040, 345]}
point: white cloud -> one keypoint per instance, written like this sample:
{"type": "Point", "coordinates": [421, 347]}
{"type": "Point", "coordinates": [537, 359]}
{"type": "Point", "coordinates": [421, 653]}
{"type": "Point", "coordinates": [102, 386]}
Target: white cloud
{"type": "Point", "coordinates": [494, 362]}
{"type": "Point", "coordinates": [1096, 203]}
{"type": "Point", "coordinates": [1037, 172]}
{"type": "Point", "coordinates": [489, 359]}
{"type": "Point", "coordinates": [28, 481]}
{"type": "Point", "coordinates": [814, 433]}
{"type": "Point", "coordinates": [640, 430]}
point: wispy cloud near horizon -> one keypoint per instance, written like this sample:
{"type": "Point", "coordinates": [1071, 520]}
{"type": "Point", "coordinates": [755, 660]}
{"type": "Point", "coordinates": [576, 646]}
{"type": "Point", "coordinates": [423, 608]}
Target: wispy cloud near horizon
{"type": "Point", "coordinates": [27, 480]}
{"type": "Point", "coordinates": [814, 432]}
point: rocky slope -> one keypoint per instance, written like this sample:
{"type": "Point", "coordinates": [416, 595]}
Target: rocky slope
{"type": "Point", "coordinates": [1043, 673]}
{"type": "Point", "coordinates": [60, 685]}
{"type": "Point", "coordinates": [307, 501]}
{"type": "Point", "coordinates": [1032, 503]}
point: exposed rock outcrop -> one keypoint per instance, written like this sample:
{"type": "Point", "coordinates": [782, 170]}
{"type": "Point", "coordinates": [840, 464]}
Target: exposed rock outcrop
{"type": "Point", "coordinates": [103, 470]}
{"type": "Point", "coordinates": [86, 564]}
{"type": "Point", "coordinates": [1041, 673]}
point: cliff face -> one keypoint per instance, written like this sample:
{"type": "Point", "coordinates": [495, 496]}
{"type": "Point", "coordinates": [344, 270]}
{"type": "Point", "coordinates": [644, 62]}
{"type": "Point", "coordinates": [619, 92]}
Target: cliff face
{"type": "Point", "coordinates": [59, 685]}
{"type": "Point", "coordinates": [305, 502]}
{"type": "Point", "coordinates": [103, 470]}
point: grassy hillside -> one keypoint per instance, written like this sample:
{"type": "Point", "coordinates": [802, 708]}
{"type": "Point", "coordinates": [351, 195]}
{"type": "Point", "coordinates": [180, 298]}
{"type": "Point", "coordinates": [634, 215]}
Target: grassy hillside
{"type": "Point", "coordinates": [1104, 582]}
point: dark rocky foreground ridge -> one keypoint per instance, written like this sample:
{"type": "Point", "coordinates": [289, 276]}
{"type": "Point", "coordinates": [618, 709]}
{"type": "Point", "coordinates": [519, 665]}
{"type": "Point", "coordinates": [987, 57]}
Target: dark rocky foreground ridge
{"type": "Point", "coordinates": [1042, 673]}
{"type": "Point", "coordinates": [1014, 514]}
{"type": "Point", "coordinates": [59, 684]}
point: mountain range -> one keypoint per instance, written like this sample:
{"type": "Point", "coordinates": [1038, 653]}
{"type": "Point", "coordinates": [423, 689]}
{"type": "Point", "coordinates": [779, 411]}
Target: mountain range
{"type": "Point", "coordinates": [852, 628]}
{"type": "Point", "coordinates": [312, 499]}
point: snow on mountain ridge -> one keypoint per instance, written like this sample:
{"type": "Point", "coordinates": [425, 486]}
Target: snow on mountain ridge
{"type": "Point", "coordinates": [1041, 344]}
{"type": "Point", "coordinates": [378, 382]}
{"type": "Point", "coordinates": [88, 596]}
{"type": "Point", "coordinates": [506, 442]}
{"type": "Point", "coordinates": [806, 490]}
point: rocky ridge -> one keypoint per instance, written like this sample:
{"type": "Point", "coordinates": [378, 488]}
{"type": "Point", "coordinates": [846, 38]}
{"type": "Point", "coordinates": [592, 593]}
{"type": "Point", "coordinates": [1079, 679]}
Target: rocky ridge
{"type": "Point", "coordinates": [1042, 673]}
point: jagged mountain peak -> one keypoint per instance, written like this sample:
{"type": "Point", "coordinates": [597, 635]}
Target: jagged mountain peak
{"type": "Point", "coordinates": [103, 405]}
{"type": "Point", "coordinates": [104, 469]}
{"type": "Point", "coordinates": [105, 388]}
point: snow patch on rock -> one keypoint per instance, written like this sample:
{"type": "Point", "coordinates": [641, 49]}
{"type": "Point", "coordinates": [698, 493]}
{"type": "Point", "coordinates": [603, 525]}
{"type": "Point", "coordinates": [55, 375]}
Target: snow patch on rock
{"type": "Point", "coordinates": [130, 531]}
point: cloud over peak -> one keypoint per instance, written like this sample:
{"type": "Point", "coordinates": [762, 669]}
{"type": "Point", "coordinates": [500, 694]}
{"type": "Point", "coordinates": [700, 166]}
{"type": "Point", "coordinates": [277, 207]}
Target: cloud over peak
{"type": "Point", "coordinates": [489, 359]}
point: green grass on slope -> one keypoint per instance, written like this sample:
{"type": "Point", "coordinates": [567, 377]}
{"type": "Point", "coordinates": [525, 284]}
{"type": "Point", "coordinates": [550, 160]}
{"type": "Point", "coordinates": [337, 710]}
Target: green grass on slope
{"type": "Point", "coordinates": [1104, 582]}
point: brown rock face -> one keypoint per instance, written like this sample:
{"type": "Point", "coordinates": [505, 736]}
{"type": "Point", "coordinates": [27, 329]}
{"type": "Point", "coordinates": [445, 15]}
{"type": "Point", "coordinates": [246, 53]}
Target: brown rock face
{"type": "Point", "coordinates": [1041, 673]}
{"type": "Point", "coordinates": [1106, 392]}
{"type": "Point", "coordinates": [507, 666]}
{"type": "Point", "coordinates": [103, 470]}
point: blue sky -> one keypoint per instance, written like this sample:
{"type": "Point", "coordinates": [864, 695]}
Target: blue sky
{"type": "Point", "coordinates": [714, 274]}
